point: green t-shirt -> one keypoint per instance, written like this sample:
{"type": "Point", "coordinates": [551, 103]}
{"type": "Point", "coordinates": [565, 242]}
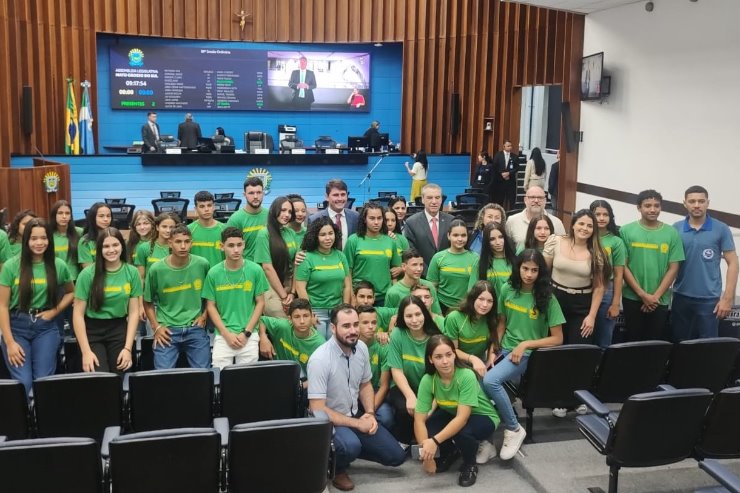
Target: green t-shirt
{"type": "Point", "coordinates": [4, 246]}
{"type": "Point", "coordinates": [324, 276]}
{"type": "Point", "coordinates": [86, 251]}
{"type": "Point", "coordinates": [371, 259]}
{"type": "Point", "coordinates": [402, 244]}
{"type": "Point", "coordinates": [288, 346]}
{"type": "Point", "coordinates": [472, 336]}
{"type": "Point", "coordinates": [399, 291]}
{"type": "Point", "coordinates": [615, 250]}
{"type": "Point", "coordinates": [498, 274]}
{"type": "Point", "coordinates": [451, 272]}
{"type": "Point", "coordinates": [649, 252]}
{"type": "Point", "coordinates": [207, 242]}
{"type": "Point", "coordinates": [378, 361]}
{"type": "Point", "coordinates": [15, 249]}
{"type": "Point", "coordinates": [299, 237]}
{"type": "Point", "coordinates": [407, 354]}
{"type": "Point", "coordinates": [463, 389]}
{"type": "Point", "coordinates": [524, 322]}
{"type": "Point", "coordinates": [61, 250]}
{"type": "Point", "coordinates": [440, 321]}
{"type": "Point", "coordinates": [250, 224]}
{"type": "Point", "coordinates": [120, 286]}
{"type": "Point", "coordinates": [146, 255]}
{"type": "Point", "coordinates": [384, 317]}
{"type": "Point", "coordinates": [176, 291]}
{"type": "Point", "coordinates": [11, 274]}
{"type": "Point", "coordinates": [262, 253]}
{"type": "Point", "coordinates": [235, 292]}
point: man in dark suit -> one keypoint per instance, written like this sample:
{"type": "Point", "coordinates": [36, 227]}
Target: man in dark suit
{"type": "Point", "coordinates": [503, 185]}
{"type": "Point", "coordinates": [303, 82]}
{"type": "Point", "coordinates": [427, 230]}
{"type": "Point", "coordinates": [188, 132]}
{"type": "Point", "coordinates": [345, 219]}
{"type": "Point", "coordinates": [150, 133]}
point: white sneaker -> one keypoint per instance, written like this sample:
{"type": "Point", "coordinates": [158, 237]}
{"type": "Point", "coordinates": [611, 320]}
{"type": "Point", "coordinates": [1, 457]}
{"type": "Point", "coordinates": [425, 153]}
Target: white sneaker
{"type": "Point", "coordinates": [559, 412]}
{"type": "Point", "coordinates": [512, 441]}
{"type": "Point", "coordinates": [582, 409]}
{"type": "Point", "coordinates": [486, 452]}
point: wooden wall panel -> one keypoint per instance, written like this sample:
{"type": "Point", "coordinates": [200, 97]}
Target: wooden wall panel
{"type": "Point", "coordinates": [483, 50]}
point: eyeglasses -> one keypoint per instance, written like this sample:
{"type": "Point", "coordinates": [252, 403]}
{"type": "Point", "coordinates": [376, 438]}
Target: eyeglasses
{"type": "Point", "coordinates": [535, 197]}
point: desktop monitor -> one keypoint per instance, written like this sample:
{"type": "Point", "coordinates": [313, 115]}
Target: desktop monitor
{"type": "Point", "coordinates": [206, 144]}
{"type": "Point", "coordinates": [357, 142]}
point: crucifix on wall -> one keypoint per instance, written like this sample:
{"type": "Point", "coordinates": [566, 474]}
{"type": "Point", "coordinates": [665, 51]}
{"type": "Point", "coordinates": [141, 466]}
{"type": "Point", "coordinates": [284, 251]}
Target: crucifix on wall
{"type": "Point", "coordinates": [243, 18]}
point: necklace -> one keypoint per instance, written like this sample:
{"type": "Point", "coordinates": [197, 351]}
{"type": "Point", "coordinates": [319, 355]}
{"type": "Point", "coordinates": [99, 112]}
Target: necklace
{"type": "Point", "coordinates": [238, 282]}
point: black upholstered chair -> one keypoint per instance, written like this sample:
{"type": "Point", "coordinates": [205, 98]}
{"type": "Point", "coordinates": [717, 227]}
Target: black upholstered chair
{"type": "Point", "coordinates": [631, 368]}
{"type": "Point", "coordinates": [277, 383]}
{"type": "Point", "coordinates": [652, 429]}
{"type": "Point", "coordinates": [553, 375]}
{"type": "Point", "coordinates": [175, 205]}
{"type": "Point", "coordinates": [471, 201]}
{"type": "Point", "coordinates": [720, 434]}
{"type": "Point", "coordinates": [77, 404]}
{"type": "Point", "coordinates": [703, 363]}
{"type": "Point", "coordinates": [15, 420]}
{"type": "Point", "coordinates": [303, 443]}
{"type": "Point", "coordinates": [224, 208]}
{"type": "Point", "coordinates": [51, 464]}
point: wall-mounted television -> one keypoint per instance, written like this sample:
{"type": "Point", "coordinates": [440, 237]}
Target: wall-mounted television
{"type": "Point", "coordinates": [591, 74]}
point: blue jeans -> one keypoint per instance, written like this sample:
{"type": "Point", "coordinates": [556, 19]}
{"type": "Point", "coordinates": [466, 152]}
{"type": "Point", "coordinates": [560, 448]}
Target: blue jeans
{"type": "Point", "coordinates": [194, 341]}
{"type": "Point", "coordinates": [493, 385]}
{"type": "Point", "coordinates": [384, 415]}
{"type": "Point", "coordinates": [324, 319]}
{"type": "Point", "coordinates": [40, 341]}
{"type": "Point", "coordinates": [381, 447]}
{"type": "Point", "coordinates": [604, 327]}
{"type": "Point", "coordinates": [693, 318]}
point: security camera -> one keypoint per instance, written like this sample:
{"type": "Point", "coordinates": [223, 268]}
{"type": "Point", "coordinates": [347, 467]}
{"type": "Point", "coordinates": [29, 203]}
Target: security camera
{"type": "Point", "coordinates": [649, 6]}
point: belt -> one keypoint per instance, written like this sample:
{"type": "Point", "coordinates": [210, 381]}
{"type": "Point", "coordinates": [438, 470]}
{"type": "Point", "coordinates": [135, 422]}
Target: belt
{"type": "Point", "coordinates": [566, 289]}
{"type": "Point", "coordinates": [32, 311]}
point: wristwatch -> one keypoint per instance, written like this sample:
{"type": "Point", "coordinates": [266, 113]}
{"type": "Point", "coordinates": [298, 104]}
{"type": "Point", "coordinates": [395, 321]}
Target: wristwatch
{"type": "Point", "coordinates": [247, 333]}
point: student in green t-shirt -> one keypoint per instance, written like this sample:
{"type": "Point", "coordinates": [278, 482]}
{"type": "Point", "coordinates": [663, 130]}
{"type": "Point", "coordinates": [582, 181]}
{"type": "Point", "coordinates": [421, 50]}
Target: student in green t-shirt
{"type": "Point", "coordinates": [381, 378]}
{"type": "Point", "coordinates": [4, 248]}
{"type": "Point", "coordinates": [35, 287]}
{"type": "Point", "coordinates": [406, 361]}
{"type": "Point", "coordinates": [496, 257]}
{"type": "Point", "coordinates": [66, 235]}
{"type": "Point", "coordinates": [234, 293]}
{"type": "Point", "coordinates": [251, 219]}
{"type": "Point", "coordinates": [364, 294]}
{"type": "Point", "coordinates": [472, 327]}
{"type": "Point", "coordinates": [323, 276]}
{"type": "Point", "coordinates": [529, 318]}
{"type": "Point", "coordinates": [294, 339]}
{"type": "Point", "coordinates": [99, 217]}
{"type": "Point", "coordinates": [451, 269]}
{"type": "Point", "coordinates": [424, 293]}
{"type": "Point", "coordinates": [463, 417]}
{"type": "Point", "coordinates": [16, 229]}
{"type": "Point", "coordinates": [412, 266]}
{"type": "Point", "coordinates": [300, 213]}
{"type": "Point", "coordinates": [275, 252]}
{"type": "Point", "coordinates": [151, 252]}
{"type": "Point", "coordinates": [654, 250]}
{"type": "Point", "coordinates": [371, 253]}
{"type": "Point", "coordinates": [394, 231]}
{"type": "Point", "coordinates": [141, 230]}
{"type": "Point", "coordinates": [206, 230]}
{"type": "Point", "coordinates": [106, 308]}
{"type": "Point", "coordinates": [175, 284]}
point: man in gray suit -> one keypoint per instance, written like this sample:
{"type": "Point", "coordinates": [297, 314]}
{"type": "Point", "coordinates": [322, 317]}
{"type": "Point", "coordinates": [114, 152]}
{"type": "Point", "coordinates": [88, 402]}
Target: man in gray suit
{"type": "Point", "coordinates": [427, 230]}
{"type": "Point", "coordinates": [188, 132]}
{"type": "Point", "coordinates": [345, 219]}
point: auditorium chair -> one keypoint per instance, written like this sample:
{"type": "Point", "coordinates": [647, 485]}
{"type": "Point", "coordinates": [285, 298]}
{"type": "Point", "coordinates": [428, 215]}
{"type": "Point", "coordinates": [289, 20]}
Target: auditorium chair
{"type": "Point", "coordinates": [277, 383]}
{"type": "Point", "coordinates": [178, 206]}
{"type": "Point", "coordinates": [324, 142]}
{"type": "Point", "coordinates": [175, 460]}
{"type": "Point", "coordinates": [470, 201]}
{"type": "Point", "coordinates": [173, 398]}
{"type": "Point", "coordinates": [469, 216]}
{"type": "Point", "coordinates": [720, 436]}
{"type": "Point", "coordinates": [224, 208]}
{"type": "Point", "coordinates": [121, 215]}
{"type": "Point", "coordinates": [169, 195]}
{"type": "Point", "coordinates": [652, 429]}
{"type": "Point", "coordinates": [77, 404]}
{"type": "Point", "coordinates": [553, 375]}
{"type": "Point", "coordinates": [287, 455]}
{"type": "Point", "coordinates": [631, 368]}
{"type": "Point", "coordinates": [387, 193]}
{"type": "Point", "coordinates": [704, 363]}
{"type": "Point", "coordinates": [15, 419]}
{"type": "Point", "coordinates": [382, 201]}
{"type": "Point", "coordinates": [114, 201]}
{"type": "Point", "coordinates": [257, 140]}
{"type": "Point", "coordinates": [223, 195]}
{"type": "Point", "coordinates": [289, 143]}
{"type": "Point", "coordinates": [730, 482]}
{"type": "Point", "coordinates": [44, 465]}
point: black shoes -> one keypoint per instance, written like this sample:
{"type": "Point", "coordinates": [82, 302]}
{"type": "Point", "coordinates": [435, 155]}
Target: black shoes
{"type": "Point", "coordinates": [444, 463]}
{"type": "Point", "coordinates": [468, 475]}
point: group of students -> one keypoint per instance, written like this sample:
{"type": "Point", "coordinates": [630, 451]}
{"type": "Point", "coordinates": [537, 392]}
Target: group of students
{"type": "Point", "coordinates": [451, 330]}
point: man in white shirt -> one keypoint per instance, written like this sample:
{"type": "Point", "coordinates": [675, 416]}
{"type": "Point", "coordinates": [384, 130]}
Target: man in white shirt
{"type": "Point", "coordinates": [427, 231]}
{"type": "Point", "coordinates": [534, 201]}
{"type": "Point", "coordinates": [150, 133]}
{"type": "Point", "coordinates": [345, 219]}
{"type": "Point", "coordinates": [303, 82]}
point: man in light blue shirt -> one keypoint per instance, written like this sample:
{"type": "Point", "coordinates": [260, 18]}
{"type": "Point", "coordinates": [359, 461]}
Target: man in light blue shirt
{"type": "Point", "coordinates": [698, 299]}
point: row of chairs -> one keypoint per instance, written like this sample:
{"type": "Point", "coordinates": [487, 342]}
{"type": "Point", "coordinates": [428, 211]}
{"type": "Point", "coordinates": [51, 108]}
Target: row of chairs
{"type": "Point", "coordinates": [246, 458]}
{"type": "Point", "coordinates": [85, 404]}
{"type": "Point", "coordinates": [554, 374]}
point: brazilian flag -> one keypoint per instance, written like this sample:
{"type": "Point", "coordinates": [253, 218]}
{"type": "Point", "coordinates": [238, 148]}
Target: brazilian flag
{"type": "Point", "coordinates": [71, 127]}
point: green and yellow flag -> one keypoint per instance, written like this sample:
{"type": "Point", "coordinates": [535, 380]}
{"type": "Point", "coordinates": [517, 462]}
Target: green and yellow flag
{"type": "Point", "coordinates": [71, 126]}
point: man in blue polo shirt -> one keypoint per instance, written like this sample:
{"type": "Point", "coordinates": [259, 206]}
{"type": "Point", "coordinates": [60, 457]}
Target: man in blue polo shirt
{"type": "Point", "coordinates": [698, 300]}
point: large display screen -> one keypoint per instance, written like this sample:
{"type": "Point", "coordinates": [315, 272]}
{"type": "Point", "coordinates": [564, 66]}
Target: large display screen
{"type": "Point", "coordinates": [192, 78]}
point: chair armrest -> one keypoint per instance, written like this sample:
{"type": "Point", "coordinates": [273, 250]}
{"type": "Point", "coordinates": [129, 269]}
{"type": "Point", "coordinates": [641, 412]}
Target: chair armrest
{"type": "Point", "coordinates": [216, 375]}
{"type": "Point", "coordinates": [124, 385]}
{"type": "Point", "coordinates": [111, 432]}
{"type": "Point", "coordinates": [222, 427]}
{"type": "Point", "coordinates": [665, 387]}
{"type": "Point", "coordinates": [593, 403]}
{"type": "Point", "coordinates": [722, 474]}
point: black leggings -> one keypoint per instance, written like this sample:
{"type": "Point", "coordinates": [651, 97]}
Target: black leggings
{"type": "Point", "coordinates": [476, 429]}
{"type": "Point", "coordinates": [403, 428]}
{"type": "Point", "coordinates": [106, 338]}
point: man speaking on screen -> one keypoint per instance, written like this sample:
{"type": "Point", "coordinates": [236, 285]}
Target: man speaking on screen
{"type": "Point", "coordinates": [303, 82]}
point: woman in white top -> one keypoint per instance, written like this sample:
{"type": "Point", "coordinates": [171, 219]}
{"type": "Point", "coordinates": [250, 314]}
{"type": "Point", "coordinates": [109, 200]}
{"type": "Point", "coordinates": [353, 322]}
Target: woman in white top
{"type": "Point", "coordinates": [418, 172]}
{"type": "Point", "coordinates": [534, 173]}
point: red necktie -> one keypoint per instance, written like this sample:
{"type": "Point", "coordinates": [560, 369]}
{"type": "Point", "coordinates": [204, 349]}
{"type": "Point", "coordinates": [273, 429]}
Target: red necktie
{"type": "Point", "coordinates": [435, 232]}
{"type": "Point", "coordinates": [338, 218]}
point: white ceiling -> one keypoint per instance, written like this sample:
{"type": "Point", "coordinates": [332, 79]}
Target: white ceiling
{"type": "Point", "coordinates": [580, 6]}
